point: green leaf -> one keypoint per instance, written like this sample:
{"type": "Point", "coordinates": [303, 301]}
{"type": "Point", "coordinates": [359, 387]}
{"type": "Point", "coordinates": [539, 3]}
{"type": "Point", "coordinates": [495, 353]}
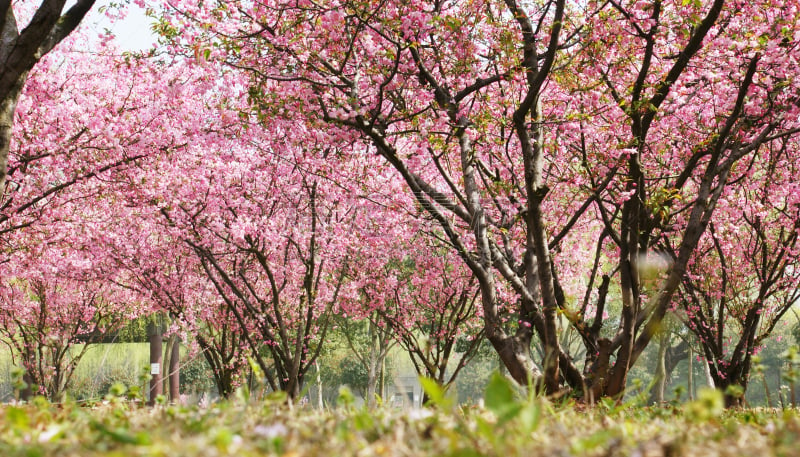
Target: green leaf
{"type": "Point", "coordinates": [710, 404]}
{"type": "Point", "coordinates": [530, 416]}
{"type": "Point", "coordinates": [222, 438]}
{"type": "Point", "coordinates": [435, 393]}
{"type": "Point", "coordinates": [345, 398]}
{"type": "Point", "coordinates": [17, 417]}
{"type": "Point", "coordinates": [734, 391]}
{"type": "Point", "coordinates": [117, 390]}
{"type": "Point", "coordinates": [499, 392]}
{"type": "Point", "coordinates": [501, 399]}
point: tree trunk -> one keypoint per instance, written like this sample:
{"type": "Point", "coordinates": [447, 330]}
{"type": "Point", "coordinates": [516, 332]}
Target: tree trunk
{"type": "Point", "coordinates": [690, 379]}
{"type": "Point", "coordinates": [26, 393]}
{"type": "Point", "coordinates": [8, 107]}
{"type": "Point", "coordinates": [174, 370]}
{"type": "Point", "coordinates": [382, 380]}
{"type": "Point", "coordinates": [660, 376]}
{"type": "Point", "coordinates": [166, 361]}
{"type": "Point", "coordinates": [766, 390]}
{"type": "Point", "coordinates": [225, 387]}
{"type": "Point", "coordinates": [709, 377]}
{"type": "Point", "coordinates": [515, 357]}
{"type": "Point", "coordinates": [319, 386]}
{"type": "Point", "coordinates": [372, 382]}
{"type": "Point", "coordinates": [156, 359]}
{"type": "Point", "coordinates": [373, 363]}
{"type": "Point", "coordinates": [733, 401]}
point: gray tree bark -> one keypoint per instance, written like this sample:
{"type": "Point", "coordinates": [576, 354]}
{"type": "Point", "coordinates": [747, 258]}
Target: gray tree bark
{"type": "Point", "coordinates": [173, 372]}
{"type": "Point", "coordinates": [660, 376]}
{"type": "Point", "coordinates": [690, 379]}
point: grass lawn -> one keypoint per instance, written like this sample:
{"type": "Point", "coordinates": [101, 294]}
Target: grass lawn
{"type": "Point", "coordinates": [507, 426]}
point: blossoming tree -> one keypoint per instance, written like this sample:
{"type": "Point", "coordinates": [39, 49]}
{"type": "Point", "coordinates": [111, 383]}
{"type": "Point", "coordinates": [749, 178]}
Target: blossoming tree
{"type": "Point", "coordinates": [553, 142]}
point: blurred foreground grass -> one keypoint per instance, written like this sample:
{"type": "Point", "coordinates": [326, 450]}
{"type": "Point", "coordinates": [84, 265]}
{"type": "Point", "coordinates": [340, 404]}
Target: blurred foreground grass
{"type": "Point", "coordinates": [508, 426]}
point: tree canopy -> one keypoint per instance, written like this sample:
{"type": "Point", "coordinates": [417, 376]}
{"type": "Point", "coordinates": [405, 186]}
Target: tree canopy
{"type": "Point", "coordinates": [571, 166]}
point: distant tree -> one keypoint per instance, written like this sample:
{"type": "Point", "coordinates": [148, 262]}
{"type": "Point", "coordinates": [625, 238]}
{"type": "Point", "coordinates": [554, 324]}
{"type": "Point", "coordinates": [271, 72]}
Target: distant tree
{"type": "Point", "coordinates": [746, 278]}
{"type": "Point", "coordinates": [50, 322]}
{"type": "Point", "coordinates": [431, 308]}
{"type": "Point", "coordinates": [369, 340]}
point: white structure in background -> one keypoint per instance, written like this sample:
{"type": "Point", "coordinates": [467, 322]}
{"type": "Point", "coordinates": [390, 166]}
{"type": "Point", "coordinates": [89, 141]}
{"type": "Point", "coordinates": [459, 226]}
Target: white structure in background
{"type": "Point", "coordinates": [405, 392]}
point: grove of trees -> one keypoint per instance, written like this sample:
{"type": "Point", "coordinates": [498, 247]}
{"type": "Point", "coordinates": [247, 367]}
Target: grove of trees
{"type": "Point", "coordinates": [558, 178]}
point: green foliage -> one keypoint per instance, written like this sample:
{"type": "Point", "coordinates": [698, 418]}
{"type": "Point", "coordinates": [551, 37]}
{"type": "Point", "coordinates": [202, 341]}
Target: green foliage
{"type": "Point", "coordinates": [345, 398]}
{"type": "Point", "coordinates": [734, 391]}
{"type": "Point", "coordinates": [792, 357]}
{"type": "Point", "coordinates": [472, 381]}
{"type": "Point", "coordinates": [503, 398]}
{"type": "Point", "coordinates": [500, 399]}
{"type": "Point", "coordinates": [710, 404]}
{"type": "Point", "coordinates": [196, 375]}
{"type": "Point", "coordinates": [437, 395]}
{"type": "Point", "coordinates": [339, 365]}
{"type": "Point", "coordinates": [353, 374]}
{"type": "Point", "coordinates": [117, 390]}
{"type": "Point", "coordinates": [661, 200]}
{"type": "Point", "coordinates": [18, 382]}
{"type": "Point", "coordinates": [511, 424]}
{"type": "Point", "coordinates": [135, 331]}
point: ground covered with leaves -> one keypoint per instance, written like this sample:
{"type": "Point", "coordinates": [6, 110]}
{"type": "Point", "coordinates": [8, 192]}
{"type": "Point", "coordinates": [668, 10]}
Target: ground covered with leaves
{"type": "Point", "coordinates": [507, 426]}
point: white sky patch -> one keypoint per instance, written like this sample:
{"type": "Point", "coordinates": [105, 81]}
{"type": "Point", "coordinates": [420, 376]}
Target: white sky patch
{"type": "Point", "coordinates": [132, 33]}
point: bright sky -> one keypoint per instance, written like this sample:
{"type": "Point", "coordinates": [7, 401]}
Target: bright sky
{"type": "Point", "coordinates": [133, 33]}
